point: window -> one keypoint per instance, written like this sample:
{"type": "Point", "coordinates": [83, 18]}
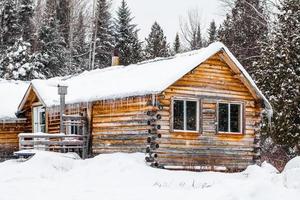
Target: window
{"type": "Point", "coordinates": [230, 117]}
{"type": "Point", "coordinates": [185, 115]}
{"type": "Point", "coordinates": [72, 128]}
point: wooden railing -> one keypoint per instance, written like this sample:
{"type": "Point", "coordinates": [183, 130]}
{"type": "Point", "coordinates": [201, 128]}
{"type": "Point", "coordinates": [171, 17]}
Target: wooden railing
{"type": "Point", "coordinates": [54, 142]}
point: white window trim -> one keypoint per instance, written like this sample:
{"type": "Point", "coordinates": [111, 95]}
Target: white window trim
{"type": "Point", "coordinates": [184, 114]}
{"type": "Point", "coordinates": [69, 128]}
{"type": "Point", "coordinates": [241, 118]}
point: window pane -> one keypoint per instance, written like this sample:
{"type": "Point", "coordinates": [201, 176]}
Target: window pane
{"type": "Point", "coordinates": [223, 117]}
{"type": "Point", "coordinates": [235, 110]}
{"type": "Point", "coordinates": [178, 115]}
{"type": "Point", "coordinates": [191, 115]}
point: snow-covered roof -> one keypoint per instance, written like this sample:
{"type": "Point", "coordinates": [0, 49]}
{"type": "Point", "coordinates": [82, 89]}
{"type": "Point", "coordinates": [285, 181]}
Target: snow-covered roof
{"type": "Point", "coordinates": [11, 95]}
{"type": "Point", "coordinates": [150, 77]}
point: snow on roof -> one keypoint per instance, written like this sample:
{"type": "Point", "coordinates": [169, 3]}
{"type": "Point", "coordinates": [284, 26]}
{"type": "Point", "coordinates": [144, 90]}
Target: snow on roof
{"type": "Point", "coordinates": [150, 77]}
{"type": "Point", "coordinates": [11, 95]}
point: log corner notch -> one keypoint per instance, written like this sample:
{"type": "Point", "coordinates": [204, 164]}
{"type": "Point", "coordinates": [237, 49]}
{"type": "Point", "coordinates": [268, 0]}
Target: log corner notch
{"type": "Point", "coordinates": [257, 149]}
{"type": "Point", "coordinates": [152, 140]}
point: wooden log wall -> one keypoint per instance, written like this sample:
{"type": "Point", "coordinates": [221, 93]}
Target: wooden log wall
{"type": "Point", "coordinates": [210, 82]}
{"type": "Point", "coordinates": [9, 141]}
{"type": "Point", "coordinates": [121, 125]}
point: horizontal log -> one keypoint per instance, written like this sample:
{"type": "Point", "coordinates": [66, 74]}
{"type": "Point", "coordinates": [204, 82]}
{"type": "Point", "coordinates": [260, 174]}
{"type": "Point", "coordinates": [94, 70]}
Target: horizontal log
{"type": "Point", "coordinates": [207, 142]}
{"type": "Point", "coordinates": [242, 95]}
{"type": "Point", "coordinates": [193, 93]}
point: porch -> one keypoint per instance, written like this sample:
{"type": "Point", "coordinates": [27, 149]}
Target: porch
{"type": "Point", "coordinates": [74, 138]}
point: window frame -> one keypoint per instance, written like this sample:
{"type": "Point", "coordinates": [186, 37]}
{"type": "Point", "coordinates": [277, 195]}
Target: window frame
{"type": "Point", "coordinates": [242, 118]}
{"type": "Point", "coordinates": [185, 99]}
{"type": "Point", "coordinates": [72, 127]}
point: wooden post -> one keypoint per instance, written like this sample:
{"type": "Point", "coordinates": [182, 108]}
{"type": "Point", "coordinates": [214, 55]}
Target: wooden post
{"type": "Point", "coordinates": [84, 139]}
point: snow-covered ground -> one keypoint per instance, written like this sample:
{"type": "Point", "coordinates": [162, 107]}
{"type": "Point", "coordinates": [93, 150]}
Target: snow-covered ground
{"type": "Point", "coordinates": [126, 177]}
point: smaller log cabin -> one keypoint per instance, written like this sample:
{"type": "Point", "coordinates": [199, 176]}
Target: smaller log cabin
{"type": "Point", "coordinates": [198, 110]}
{"type": "Point", "coordinates": [10, 126]}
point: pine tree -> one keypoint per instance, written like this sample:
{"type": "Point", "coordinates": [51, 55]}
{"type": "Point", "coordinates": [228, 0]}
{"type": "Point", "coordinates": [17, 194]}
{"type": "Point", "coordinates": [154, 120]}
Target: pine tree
{"type": "Point", "coordinates": [279, 76]}
{"type": "Point", "coordinates": [198, 41]}
{"type": "Point", "coordinates": [16, 57]}
{"type": "Point", "coordinates": [9, 28]}
{"type": "Point", "coordinates": [126, 37]}
{"type": "Point", "coordinates": [26, 11]}
{"type": "Point", "coordinates": [103, 35]}
{"type": "Point", "coordinates": [242, 31]}
{"type": "Point", "coordinates": [137, 49]}
{"type": "Point", "coordinates": [63, 17]}
{"type": "Point", "coordinates": [79, 46]}
{"type": "Point", "coordinates": [212, 32]}
{"type": "Point", "coordinates": [156, 43]}
{"type": "Point", "coordinates": [176, 45]}
{"type": "Point", "coordinates": [52, 54]}
{"type": "Point", "coordinates": [17, 63]}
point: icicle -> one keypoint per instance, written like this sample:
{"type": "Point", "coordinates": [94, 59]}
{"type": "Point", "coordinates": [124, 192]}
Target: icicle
{"type": "Point", "coordinates": [269, 116]}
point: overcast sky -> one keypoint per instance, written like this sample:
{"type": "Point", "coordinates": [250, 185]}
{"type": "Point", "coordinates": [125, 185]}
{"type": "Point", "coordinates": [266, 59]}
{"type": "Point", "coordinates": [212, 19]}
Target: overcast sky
{"type": "Point", "coordinates": [168, 12]}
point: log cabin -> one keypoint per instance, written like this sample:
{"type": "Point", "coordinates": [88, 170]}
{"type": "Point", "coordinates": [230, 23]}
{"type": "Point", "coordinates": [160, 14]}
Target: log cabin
{"type": "Point", "coordinates": [198, 110]}
{"type": "Point", "coordinates": [10, 126]}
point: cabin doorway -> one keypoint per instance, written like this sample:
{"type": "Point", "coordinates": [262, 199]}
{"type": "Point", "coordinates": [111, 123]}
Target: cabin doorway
{"type": "Point", "coordinates": [39, 119]}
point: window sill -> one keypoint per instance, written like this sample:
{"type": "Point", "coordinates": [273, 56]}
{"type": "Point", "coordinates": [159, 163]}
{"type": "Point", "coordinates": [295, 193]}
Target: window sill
{"type": "Point", "coordinates": [184, 131]}
{"type": "Point", "coordinates": [229, 133]}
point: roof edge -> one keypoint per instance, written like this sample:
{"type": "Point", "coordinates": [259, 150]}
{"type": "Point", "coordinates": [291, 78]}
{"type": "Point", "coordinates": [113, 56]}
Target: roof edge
{"type": "Point", "coordinates": [22, 103]}
{"type": "Point", "coordinates": [267, 104]}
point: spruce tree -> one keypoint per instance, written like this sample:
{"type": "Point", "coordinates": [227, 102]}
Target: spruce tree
{"type": "Point", "coordinates": [191, 30]}
{"type": "Point", "coordinates": [197, 42]}
{"type": "Point", "coordinates": [16, 57]}
{"type": "Point", "coordinates": [17, 63]}
{"type": "Point", "coordinates": [176, 45]}
{"type": "Point", "coordinates": [156, 43]}
{"type": "Point", "coordinates": [26, 11]}
{"type": "Point", "coordinates": [212, 32]}
{"type": "Point", "coordinates": [64, 16]}
{"type": "Point", "coordinates": [103, 35]}
{"type": "Point", "coordinates": [126, 37]}
{"type": "Point", "coordinates": [242, 31]}
{"type": "Point", "coordinates": [279, 76]}
{"type": "Point", "coordinates": [79, 46]}
{"type": "Point", "coordinates": [9, 28]}
{"type": "Point", "coordinates": [52, 53]}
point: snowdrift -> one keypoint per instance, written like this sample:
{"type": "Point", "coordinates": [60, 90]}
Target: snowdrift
{"type": "Point", "coordinates": [50, 175]}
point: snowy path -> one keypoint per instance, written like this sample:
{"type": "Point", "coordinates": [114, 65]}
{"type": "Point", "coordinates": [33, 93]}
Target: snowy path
{"type": "Point", "coordinates": [126, 177]}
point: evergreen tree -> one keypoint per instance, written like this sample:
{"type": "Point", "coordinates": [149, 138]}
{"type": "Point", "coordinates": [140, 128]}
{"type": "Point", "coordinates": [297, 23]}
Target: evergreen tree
{"type": "Point", "coordinates": [52, 54]}
{"type": "Point", "coordinates": [137, 49]}
{"type": "Point", "coordinates": [279, 76]}
{"type": "Point", "coordinates": [126, 37]}
{"type": "Point", "coordinates": [79, 46]}
{"type": "Point", "coordinates": [37, 21]}
{"type": "Point", "coordinates": [176, 45]}
{"type": "Point", "coordinates": [26, 11]}
{"type": "Point", "coordinates": [156, 43]}
{"type": "Point", "coordinates": [63, 17]}
{"type": "Point", "coordinates": [16, 57]}
{"type": "Point", "coordinates": [197, 42]}
{"type": "Point", "coordinates": [242, 31]}
{"type": "Point", "coordinates": [17, 63]}
{"type": "Point", "coordinates": [103, 35]}
{"type": "Point", "coordinates": [212, 32]}
{"type": "Point", "coordinates": [191, 30]}
{"type": "Point", "coordinates": [9, 28]}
